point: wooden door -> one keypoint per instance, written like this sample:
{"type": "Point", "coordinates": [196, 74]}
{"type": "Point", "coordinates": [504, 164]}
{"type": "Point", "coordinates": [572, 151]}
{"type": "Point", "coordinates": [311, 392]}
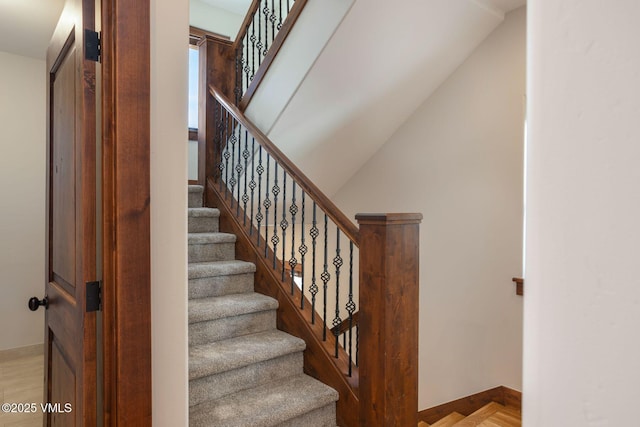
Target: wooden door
{"type": "Point", "coordinates": [70, 331]}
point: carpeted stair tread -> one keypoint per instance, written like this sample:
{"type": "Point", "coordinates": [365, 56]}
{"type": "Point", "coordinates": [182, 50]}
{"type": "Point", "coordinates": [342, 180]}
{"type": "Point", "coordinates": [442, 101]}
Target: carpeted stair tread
{"type": "Point", "coordinates": [268, 405]}
{"type": "Point", "coordinates": [203, 309]}
{"type": "Point", "coordinates": [234, 353]}
{"type": "Point", "coordinates": [195, 196]}
{"type": "Point", "coordinates": [204, 212]}
{"type": "Point", "coordinates": [207, 238]}
{"type": "Point", "coordinates": [198, 270]}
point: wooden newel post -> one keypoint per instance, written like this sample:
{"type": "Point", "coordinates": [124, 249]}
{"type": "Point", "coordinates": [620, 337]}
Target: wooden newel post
{"type": "Point", "coordinates": [217, 67]}
{"type": "Point", "coordinates": [389, 282]}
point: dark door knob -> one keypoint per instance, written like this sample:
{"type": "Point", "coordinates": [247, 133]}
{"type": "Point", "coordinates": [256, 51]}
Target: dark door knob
{"type": "Point", "coordinates": [34, 303]}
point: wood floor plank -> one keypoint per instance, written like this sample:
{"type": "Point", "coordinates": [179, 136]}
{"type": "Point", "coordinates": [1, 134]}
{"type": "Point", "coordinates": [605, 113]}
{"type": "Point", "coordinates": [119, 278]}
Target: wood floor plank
{"type": "Point", "coordinates": [449, 420]}
{"type": "Point", "coordinates": [480, 415]}
{"type": "Point", "coordinates": [502, 419]}
{"type": "Point", "coordinates": [422, 424]}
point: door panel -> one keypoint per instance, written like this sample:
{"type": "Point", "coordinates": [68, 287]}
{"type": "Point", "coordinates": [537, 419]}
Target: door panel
{"type": "Point", "coordinates": [63, 197]}
{"type": "Point", "coordinates": [70, 336]}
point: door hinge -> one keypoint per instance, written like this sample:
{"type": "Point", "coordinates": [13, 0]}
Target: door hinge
{"type": "Point", "coordinates": [92, 45]}
{"type": "Point", "coordinates": [93, 296]}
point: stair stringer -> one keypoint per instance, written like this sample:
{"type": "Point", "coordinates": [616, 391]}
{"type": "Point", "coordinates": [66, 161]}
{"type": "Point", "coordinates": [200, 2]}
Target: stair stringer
{"type": "Point", "coordinates": [318, 362]}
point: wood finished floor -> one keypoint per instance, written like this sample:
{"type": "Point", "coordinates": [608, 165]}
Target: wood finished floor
{"type": "Point", "coordinates": [491, 415]}
{"type": "Point", "coordinates": [21, 381]}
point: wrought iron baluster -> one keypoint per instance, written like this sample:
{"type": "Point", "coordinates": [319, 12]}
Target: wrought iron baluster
{"type": "Point", "coordinates": [232, 180]}
{"type": "Point", "coordinates": [266, 27]}
{"type": "Point", "coordinates": [253, 47]}
{"type": "Point", "coordinates": [252, 183]}
{"type": "Point", "coordinates": [259, 43]}
{"type": "Point", "coordinates": [247, 68]}
{"type": "Point", "coordinates": [227, 155]}
{"type": "Point", "coordinates": [303, 251]}
{"type": "Point", "coordinates": [351, 306]}
{"type": "Point", "coordinates": [283, 223]}
{"type": "Point", "coordinates": [280, 18]}
{"type": "Point", "coordinates": [218, 117]}
{"type": "Point", "coordinates": [245, 156]}
{"type": "Point", "coordinates": [325, 276]}
{"type": "Point", "coordinates": [275, 190]}
{"type": "Point", "coordinates": [259, 216]}
{"type": "Point", "coordinates": [357, 342]}
{"type": "Point", "coordinates": [293, 209]}
{"type": "Point", "coordinates": [337, 263]}
{"type": "Point", "coordinates": [314, 233]}
{"type": "Point", "coordinates": [273, 19]}
{"type": "Point", "coordinates": [267, 205]}
{"type": "Point", "coordinates": [239, 169]}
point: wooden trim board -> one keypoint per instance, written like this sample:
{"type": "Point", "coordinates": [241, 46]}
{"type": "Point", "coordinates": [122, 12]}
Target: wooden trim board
{"type": "Point", "coordinates": [468, 405]}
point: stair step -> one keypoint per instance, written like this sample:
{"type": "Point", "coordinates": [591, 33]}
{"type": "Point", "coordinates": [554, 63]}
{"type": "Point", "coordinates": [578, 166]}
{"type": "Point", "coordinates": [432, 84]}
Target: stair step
{"type": "Point", "coordinates": [214, 308]}
{"type": "Point", "coordinates": [480, 415]}
{"type": "Point", "coordinates": [195, 196]}
{"type": "Point", "coordinates": [235, 364]}
{"type": "Point", "coordinates": [217, 278]}
{"type": "Point", "coordinates": [218, 318]}
{"type": "Point", "coordinates": [449, 420]}
{"type": "Point", "coordinates": [507, 417]}
{"type": "Point", "coordinates": [285, 402]}
{"type": "Point", "coordinates": [205, 247]}
{"type": "Point", "coordinates": [203, 220]}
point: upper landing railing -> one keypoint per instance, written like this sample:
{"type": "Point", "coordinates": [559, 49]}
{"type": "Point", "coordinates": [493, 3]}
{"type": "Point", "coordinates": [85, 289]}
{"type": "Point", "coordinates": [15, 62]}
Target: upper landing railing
{"type": "Point", "coordinates": [261, 35]}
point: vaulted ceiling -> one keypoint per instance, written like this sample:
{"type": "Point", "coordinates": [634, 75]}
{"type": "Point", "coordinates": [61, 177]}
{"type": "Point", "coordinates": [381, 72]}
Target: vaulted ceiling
{"type": "Point", "coordinates": [382, 62]}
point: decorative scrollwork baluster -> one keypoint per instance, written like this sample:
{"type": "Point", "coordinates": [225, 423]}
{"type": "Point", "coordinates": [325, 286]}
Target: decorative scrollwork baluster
{"type": "Point", "coordinates": [313, 289]}
{"type": "Point", "coordinates": [252, 183]}
{"type": "Point", "coordinates": [273, 18]}
{"type": "Point", "coordinates": [293, 210]}
{"type": "Point", "coordinates": [275, 191]}
{"type": "Point", "coordinates": [233, 140]}
{"type": "Point", "coordinates": [284, 224]}
{"type": "Point", "coordinates": [303, 249]}
{"type": "Point", "coordinates": [227, 154]}
{"type": "Point", "coordinates": [253, 48]}
{"type": "Point", "coordinates": [280, 17]}
{"type": "Point", "coordinates": [245, 156]}
{"type": "Point", "coordinates": [239, 170]}
{"type": "Point", "coordinates": [267, 205]}
{"type": "Point", "coordinates": [325, 276]}
{"type": "Point", "coordinates": [266, 27]}
{"type": "Point", "coordinates": [259, 43]}
{"type": "Point", "coordinates": [337, 263]}
{"type": "Point", "coordinates": [351, 306]}
{"type": "Point", "coordinates": [259, 216]}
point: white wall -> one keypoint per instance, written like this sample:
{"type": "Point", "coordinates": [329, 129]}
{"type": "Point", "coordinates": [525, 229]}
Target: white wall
{"type": "Point", "coordinates": [211, 18]}
{"type": "Point", "coordinates": [169, 35]}
{"type": "Point", "coordinates": [459, 161]}
{"type": "Point", "coordinates": [314, 28]}
{"type": "Point", "coordinates": [582, 304]}
{"type": "Point", "coordinates": [22, 198]}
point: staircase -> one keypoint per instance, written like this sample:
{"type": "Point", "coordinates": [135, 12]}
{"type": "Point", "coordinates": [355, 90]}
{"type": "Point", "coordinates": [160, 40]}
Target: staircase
{"type": "Point", "coordinates": [242, 370]}
{"type": "Point", "coordinates": [490, 415]}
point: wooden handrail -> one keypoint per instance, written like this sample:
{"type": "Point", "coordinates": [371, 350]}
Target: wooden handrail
{"type": "Point", "coordinates": [346, 324]}
{"type": "Point", "coordinates": [332, 211]}
{"type": "Point", "coordinates": [245, 23]}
